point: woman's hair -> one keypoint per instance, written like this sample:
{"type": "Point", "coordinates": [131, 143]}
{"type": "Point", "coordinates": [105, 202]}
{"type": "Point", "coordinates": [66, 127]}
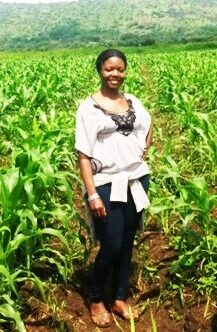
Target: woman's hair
{"type": "Point", "coordinates": [109, 53]}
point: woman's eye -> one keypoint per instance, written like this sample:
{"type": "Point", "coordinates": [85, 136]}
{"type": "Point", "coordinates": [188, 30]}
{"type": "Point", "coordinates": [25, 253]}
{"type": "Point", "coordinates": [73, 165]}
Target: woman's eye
{"type": "Point", "coordinates": [111, 69]}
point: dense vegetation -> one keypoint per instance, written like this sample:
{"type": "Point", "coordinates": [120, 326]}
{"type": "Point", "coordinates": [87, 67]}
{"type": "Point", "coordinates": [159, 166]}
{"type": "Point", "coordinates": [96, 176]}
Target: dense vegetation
{"type": "Point", "coordinates": [90, 22]}
{"type": "Point", "coordinates": [40, 226]}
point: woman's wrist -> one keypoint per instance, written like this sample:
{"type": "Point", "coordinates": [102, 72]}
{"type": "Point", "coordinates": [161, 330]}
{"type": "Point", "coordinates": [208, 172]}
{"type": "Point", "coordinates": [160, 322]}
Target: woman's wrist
{"type": "Point", "coordinates": [92, 197]}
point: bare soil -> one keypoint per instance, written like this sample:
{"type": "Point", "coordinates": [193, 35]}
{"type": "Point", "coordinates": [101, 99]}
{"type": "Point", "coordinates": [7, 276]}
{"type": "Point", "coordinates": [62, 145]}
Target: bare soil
{"type": "Point", "coordinates": [67, 306]}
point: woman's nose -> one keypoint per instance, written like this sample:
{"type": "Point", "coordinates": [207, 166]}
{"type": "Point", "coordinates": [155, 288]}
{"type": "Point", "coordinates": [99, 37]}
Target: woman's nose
{"type": "Point", "coordinates": [115, 72]}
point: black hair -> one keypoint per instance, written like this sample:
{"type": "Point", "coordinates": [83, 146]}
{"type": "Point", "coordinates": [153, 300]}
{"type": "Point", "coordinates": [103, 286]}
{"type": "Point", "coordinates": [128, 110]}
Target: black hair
{"type": "Point", "coordinates": [109, 53]}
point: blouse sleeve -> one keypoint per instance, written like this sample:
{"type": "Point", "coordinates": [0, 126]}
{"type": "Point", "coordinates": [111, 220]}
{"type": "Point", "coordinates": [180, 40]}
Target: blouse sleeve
{"type": "Point", "coordinates": [85, 131]}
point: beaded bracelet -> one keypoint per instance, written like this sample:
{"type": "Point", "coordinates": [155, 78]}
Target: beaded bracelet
{"type": "Point", "coordinates": [92, 197]}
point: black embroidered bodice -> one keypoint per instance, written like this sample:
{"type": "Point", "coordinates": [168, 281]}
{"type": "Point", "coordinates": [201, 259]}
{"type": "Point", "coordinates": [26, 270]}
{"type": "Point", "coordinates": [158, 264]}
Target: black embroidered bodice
{"type": "Point", "coordinates": [123, 121]}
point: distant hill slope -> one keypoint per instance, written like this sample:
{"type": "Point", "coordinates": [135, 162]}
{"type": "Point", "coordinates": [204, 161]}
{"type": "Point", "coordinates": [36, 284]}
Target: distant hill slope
{"type": "Point", "coordinates": [122, 22]}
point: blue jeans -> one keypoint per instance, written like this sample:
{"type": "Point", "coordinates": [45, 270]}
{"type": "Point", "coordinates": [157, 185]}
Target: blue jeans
{"type": "Point", "coordinates": [116, 234]}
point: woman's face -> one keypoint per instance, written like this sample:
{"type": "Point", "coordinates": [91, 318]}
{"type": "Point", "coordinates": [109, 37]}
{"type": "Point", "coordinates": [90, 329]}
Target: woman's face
{"type": "Point", "coordinates": [113, 73]}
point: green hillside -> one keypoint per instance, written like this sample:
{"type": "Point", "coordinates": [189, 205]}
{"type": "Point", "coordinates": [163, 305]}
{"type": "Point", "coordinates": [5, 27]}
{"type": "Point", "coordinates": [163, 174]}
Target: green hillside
{"type": "Point", "coordinates": [90, 22]}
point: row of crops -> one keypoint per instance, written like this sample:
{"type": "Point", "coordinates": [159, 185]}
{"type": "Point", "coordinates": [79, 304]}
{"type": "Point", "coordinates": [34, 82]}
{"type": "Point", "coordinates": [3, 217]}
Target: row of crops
{"type": "Point", "coordinates": [40, 225]}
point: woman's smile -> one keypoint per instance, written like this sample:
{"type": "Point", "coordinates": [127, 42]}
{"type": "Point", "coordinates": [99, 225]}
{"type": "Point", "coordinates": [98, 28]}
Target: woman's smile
{"type": "Point", "coordinates": [114, 81]}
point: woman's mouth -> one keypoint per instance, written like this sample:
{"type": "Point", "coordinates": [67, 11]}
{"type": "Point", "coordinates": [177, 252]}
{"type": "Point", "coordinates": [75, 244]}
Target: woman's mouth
{"type": "Point", "coordinates": [114, 81]}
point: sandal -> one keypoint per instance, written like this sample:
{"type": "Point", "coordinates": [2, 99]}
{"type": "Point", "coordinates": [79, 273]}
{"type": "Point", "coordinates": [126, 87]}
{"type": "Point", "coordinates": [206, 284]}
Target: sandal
{"type": "Point", "coordinates": [101, 319]}
{"type": "Point", "coordinates": [126, 314]}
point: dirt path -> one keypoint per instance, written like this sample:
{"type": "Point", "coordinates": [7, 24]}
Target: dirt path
{"type": "Point", "coordinates": [67, 307]}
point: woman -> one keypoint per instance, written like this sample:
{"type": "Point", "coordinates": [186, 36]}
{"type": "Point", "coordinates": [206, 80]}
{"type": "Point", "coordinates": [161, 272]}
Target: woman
{"type": "Point", "coordinates": [113, 133]}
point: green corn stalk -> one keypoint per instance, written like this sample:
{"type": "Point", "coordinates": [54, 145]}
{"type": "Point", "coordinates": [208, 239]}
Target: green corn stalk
{"type": "Point", "coordinates": [153, 323]}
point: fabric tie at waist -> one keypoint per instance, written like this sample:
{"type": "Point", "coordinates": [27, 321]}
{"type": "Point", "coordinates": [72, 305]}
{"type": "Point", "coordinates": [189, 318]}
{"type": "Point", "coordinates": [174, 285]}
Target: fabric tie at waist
{"type": "Point", "coordinates": [119, 189]}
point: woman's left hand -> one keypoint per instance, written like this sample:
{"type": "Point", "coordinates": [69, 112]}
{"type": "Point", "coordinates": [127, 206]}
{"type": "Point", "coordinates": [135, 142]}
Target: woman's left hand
{"type": "Point", "coordinates": [144, 155]}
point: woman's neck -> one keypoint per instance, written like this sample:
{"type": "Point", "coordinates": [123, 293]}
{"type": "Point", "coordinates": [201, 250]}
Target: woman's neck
{"type": "Point", "coordinates": [112, 94]}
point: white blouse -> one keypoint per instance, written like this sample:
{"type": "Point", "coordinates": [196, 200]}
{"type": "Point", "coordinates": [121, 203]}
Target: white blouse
{"type": "Point", "coordinates": [115, 144]}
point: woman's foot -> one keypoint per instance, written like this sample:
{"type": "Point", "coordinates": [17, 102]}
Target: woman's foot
{"type": "Point", "coordinates": [125, 311]}
{"type": "Point", "coordinates": [99, 315]}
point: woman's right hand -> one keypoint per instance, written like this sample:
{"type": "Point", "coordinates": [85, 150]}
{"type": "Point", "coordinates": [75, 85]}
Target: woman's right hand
{"type": "Point", "coordinates": [97, 207]}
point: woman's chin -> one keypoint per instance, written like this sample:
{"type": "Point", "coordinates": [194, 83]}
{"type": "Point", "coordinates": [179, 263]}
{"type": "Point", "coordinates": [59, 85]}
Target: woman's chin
{"type": "Point", "coordinates": [113, 86]}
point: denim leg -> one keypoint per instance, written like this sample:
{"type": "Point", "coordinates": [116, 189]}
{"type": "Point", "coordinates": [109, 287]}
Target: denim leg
{"type": "Point", "coordinates": [109, 231]}
{"type": "Point", "coordinates": [122, 268]}
{"type": "Point", "coordinates": [131, 223]}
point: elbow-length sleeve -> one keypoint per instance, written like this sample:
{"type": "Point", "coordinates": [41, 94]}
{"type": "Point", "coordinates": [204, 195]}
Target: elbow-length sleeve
{"type": "Point", "coordinates": [85, 132]}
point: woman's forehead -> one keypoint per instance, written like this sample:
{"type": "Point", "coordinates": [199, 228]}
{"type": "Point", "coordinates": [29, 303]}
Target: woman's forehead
{"type": "Point", "coordinates": [114, 61]}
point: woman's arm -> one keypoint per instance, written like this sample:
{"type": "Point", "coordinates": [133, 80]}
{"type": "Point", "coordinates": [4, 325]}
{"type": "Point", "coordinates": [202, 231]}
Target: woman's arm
{"type": "Point", "coordinates": [149, 137]}
{"type": "Point", "coordinates": [96, 205]}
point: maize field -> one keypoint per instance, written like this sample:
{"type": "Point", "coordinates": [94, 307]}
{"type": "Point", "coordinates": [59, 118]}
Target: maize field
{"type": "Point", "coordinates": [43, 235]}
